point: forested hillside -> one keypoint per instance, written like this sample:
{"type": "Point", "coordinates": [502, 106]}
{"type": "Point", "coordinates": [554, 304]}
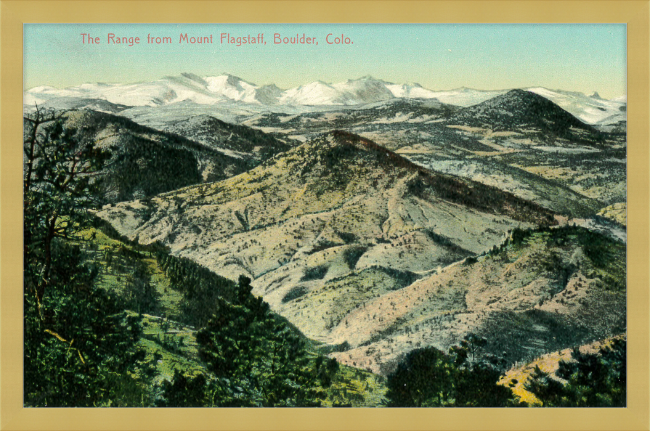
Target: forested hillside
{"type": "Point", "coordinates": [216, 265]}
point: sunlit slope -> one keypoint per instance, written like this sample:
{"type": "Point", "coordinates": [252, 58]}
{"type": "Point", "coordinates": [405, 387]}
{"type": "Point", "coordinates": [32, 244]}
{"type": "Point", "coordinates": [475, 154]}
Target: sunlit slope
{"type": "Point", "coordinates": [330, 208]}
{"type": "Point", "coordinates": [542, 291]}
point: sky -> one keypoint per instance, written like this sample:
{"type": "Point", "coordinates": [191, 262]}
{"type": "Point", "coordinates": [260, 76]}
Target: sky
{"type": "Point", "coordinates": [573, 57]}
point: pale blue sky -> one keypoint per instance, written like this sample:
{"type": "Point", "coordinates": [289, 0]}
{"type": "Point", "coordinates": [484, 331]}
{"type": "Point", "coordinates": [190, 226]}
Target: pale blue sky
{"type": "Point", "coordinates": [575, 57]}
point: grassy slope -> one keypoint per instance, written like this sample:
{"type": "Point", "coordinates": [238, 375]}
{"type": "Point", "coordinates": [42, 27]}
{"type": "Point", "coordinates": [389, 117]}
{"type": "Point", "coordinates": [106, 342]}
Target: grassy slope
{"type": "Point", "coordinates": [175, 342]}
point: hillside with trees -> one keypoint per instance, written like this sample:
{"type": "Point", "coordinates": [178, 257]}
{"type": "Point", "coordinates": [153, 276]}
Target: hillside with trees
{"type": "Point", "coordinates": [216, 265]}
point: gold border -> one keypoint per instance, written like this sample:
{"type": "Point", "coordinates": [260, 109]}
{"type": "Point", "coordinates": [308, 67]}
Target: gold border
{"type": "Point", "coordinates": [14, 13]}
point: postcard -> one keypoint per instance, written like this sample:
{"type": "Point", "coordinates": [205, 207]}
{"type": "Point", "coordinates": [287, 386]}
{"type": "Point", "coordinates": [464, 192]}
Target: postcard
{"type": "Point", "coordinates": [375, 216]}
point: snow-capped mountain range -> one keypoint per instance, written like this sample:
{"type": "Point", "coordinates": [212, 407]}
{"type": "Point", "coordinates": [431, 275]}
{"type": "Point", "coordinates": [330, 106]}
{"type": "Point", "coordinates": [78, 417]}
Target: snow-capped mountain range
{"type": "Point", "coordinates": [223, 88]}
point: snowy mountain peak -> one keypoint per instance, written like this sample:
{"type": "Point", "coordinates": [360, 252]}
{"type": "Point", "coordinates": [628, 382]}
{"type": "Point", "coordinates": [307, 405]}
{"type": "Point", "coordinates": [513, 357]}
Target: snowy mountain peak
{"type": "Point", "coordinates": [193, 77]}
{"type": "Point", "coordinates": [590, 109]}
{"type": "Point", "coordinates": [235, 80]}
{"type": "Point", "coordinates": [368, 78]}
{"type": "Point", "coordinates": [42, 89]}
{"type": "Point", "coordinates": [209, 90]}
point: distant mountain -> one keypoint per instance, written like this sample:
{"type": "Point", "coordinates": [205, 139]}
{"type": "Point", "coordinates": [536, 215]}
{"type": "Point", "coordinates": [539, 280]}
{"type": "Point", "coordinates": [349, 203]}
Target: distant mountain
{"type": "Point", "coordinates": [30, 101]}
{"type": "Point", "coordinates": [226, 88]}
{"type": "Point", "coordinates": [171, 89]}
{"type": "Point", "coordinates": [413, 90]}
{"type": "Point", "coordinates": [465, 96]}
{"type": "Point", "coordinates": [144, 161]}
{"type": "Point", "coordinates": [232, 139]}
{"type": "Point", "coordinates": [232, 87]}
{"type": "Point", "coordinates": [351, 92]}
{"type": "Point", "coordinates": [529, 147]}
{"type": "Point", "coordinates": [590, 109]}
{"type": "Point", "coordinates": [392, 111]}
{"type": "Point", "coordinates": [520, 109]}
{"type": "Point", "coordinates": [268, 94]}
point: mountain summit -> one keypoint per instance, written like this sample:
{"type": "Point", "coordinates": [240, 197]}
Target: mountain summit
{"type": "Point", "coordinates": [520, 109]}
{"type": "Point", "coordinates": [362, 249]}
{"type": "Point", "coordinates": [336, 208]}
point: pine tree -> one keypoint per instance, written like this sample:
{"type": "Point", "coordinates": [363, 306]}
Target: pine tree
{"type": "Point", "coordinates": [429, 378]}
{"type": "Point", "coordinates": [59, 187]}
{"type": "Point", "coordinates": [77, 337]}
{"type": "Point", "coordinates": [246, 344]}
{"type": "Point", "coordinates": [589, 379]}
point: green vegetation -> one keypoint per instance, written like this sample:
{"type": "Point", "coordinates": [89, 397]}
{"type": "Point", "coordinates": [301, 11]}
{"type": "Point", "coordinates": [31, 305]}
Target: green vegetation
{"type": "Point", "coordinates": [247, 345]}
{"type": "Point", "coordinates": [294, 293]}
{"type": "Point", "coordinates": [180, 351]}
{"type": "Point", "coordinates": [131, 178]}
{"type": "Point", "coordinates": [314, 273]}
{"type": "Point", "coordinates": [353, 254]}
{"type": "Point", "coordinates": [429, 378]}
{"type": "Point", "coordinates": [218, 134]}
{"type": "Point", "coordinates": [109, 322]}
{"type": "Point", "coordinates": [145, 161]}
{"type": "Point", "coordinates": [88, 341]}
{"type": "Point", "coordinates": [587, 380]}
{"type": "Point", "coordinates": [605, 257]}
{"type": "Point", "coordinates": [80, 345]}
{"type": "Point", "coordinates": [201, 288]}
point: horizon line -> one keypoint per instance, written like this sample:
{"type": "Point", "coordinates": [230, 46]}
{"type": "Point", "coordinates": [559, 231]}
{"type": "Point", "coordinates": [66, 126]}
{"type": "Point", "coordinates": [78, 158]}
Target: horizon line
{"type": "Point", "coordinates": [323, 82]}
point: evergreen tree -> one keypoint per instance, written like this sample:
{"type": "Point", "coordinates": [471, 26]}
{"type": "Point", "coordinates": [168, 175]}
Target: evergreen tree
{"type": "Point", "coordinates": [423, 379]}
{"type": "Point", "coordinates": [59, 187]}
{"type": "Point", "coordinates": [77, 337]}
{"type": "Point", "coordinates": [429, 378]}
{"type": "Point", "coordinates": [184, 391]}
{"type": "Point", "coordinates": [589, 380]}
{"type": "Point", "coordinates": [246, 344]}
{"type": "Point", "coordinates": [201, 288]}
{"type": "Point", "coordinates": [139, 294]}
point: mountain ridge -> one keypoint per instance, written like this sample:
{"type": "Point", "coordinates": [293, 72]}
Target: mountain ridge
{"type": "Point", "coordinates": [226, 87]}
{"type": "Point", "coordinates": [145, 161]}
{"type": "Point", "coordinates": [362, 249]}
{"type": "Point", "coordinates": [520, 108]}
